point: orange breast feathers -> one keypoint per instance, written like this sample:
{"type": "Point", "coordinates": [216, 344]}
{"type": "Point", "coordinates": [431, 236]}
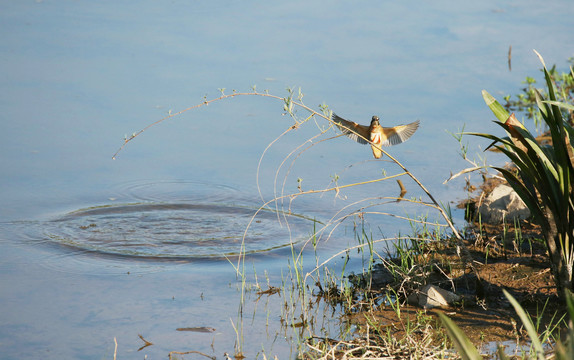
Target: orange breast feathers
{"type": "Point", "coordinates": [376, 138]}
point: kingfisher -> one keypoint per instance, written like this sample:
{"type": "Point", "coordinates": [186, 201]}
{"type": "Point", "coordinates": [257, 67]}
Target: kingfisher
{"type": "Point", "coordinates": [378, 135]}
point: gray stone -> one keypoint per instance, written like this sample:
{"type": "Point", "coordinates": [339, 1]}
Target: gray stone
{"type": "Point", "coordinates": [503, 205]}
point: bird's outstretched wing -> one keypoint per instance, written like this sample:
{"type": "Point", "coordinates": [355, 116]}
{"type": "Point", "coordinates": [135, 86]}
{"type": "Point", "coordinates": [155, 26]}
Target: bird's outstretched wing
{"type": "Point", "coordinates": [347, 127]}
{"type": "Point", "coordinates": [398, 134]}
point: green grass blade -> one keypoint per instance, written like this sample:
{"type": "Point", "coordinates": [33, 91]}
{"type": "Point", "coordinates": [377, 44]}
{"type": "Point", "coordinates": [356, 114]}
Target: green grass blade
{"type": "Point", "coordinates": [570, 305]}
{"type": "Point", "coordinates": [528, 325]}
{"type": "Point", "coordinates": [562, 105]}
{"type": "Point", "coordinates": [461, 342]}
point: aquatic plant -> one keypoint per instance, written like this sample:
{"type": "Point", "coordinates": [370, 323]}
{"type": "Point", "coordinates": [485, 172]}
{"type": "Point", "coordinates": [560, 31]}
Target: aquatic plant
{"type": "Point", "coordinates": [545, 176]}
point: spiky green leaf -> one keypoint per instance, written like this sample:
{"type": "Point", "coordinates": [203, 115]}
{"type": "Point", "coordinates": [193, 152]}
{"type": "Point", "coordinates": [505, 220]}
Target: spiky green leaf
{"type": "Point", "coordinates": [498, 110]}
{"type": "Point", "coordinates": [560, 104]}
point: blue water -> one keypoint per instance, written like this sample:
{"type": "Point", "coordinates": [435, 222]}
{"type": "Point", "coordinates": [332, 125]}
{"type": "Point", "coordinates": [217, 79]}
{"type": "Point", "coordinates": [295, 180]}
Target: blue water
{"type": "Point", "coordinates": [76, 77]}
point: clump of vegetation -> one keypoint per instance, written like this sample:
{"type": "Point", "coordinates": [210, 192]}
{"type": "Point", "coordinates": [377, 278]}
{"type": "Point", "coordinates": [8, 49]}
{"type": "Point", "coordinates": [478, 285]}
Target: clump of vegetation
{"type": "Point", "coordinates": [374, 302]}
{"type": "Point", "coordinates": [388, 325]}
{"type": "Point", "coordinates": [545, 175]}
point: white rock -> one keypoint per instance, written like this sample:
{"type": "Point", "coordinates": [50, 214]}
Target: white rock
{"type": "Point", "coordinates": [503, 205]}
{"type": "Point", "coordinates": [431, 296]}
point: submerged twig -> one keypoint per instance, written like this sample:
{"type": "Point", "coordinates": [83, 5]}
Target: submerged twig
{"type": "Point", "coordinates": [403, 189]}
{"type": "Point", "coordinates": [190, 352]}
{"type": "Point", "coordinates": [146, 343]}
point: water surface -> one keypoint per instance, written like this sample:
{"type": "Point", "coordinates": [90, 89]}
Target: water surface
{"type": "Point", "coordinates": [95, 249]}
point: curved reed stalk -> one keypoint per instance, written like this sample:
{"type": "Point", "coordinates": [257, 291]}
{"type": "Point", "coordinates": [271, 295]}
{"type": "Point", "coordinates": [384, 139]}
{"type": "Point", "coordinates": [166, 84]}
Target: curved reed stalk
{"type": "Point", "coordinates": [288, 107]}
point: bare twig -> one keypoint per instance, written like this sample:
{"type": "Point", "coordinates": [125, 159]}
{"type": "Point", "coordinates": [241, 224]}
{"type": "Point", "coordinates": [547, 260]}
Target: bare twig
{"type": "Point", "coordinates": [469, 170]}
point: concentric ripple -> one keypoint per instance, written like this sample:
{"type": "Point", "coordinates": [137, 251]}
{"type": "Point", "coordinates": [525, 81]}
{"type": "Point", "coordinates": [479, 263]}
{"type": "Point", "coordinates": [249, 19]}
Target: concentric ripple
{"type": "Point", "coordinates": [178, 191]}
{"type": "Point", "coordinates": [178, 230]}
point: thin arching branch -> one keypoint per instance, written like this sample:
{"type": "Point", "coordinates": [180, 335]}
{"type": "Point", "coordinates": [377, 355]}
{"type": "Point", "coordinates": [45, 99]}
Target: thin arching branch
{"type": "Point", "coordinates": [289, 103]}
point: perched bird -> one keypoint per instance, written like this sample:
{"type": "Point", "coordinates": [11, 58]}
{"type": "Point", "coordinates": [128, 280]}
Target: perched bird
{"type": "Point", "coordinates": [378, 135]}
